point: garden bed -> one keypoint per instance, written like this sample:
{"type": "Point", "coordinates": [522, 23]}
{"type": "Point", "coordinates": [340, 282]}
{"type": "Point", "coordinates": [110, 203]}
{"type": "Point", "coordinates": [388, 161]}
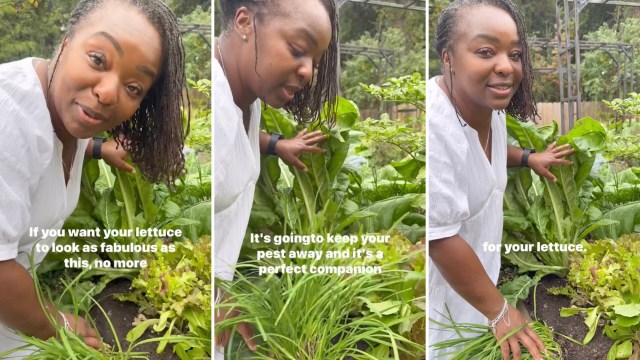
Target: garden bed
{"type": "Point", "coordinates": [548, 311]}
{"type": "Point", "coordinates": [121, 315]}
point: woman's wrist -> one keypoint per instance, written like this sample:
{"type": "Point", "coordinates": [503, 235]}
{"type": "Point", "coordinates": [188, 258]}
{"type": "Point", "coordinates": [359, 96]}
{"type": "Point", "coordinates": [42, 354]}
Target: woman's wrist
{"type": "Point", "coordinates": [502, 316]}
{"type": "Point", "coordinates": [63, 321]}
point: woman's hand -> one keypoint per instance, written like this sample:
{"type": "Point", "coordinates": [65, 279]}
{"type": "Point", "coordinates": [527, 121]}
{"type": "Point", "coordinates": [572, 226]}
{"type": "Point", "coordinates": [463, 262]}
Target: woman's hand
{"type": "Point", "coordinates": [526, 336]}
{"type": "Point", "coordinates": [115, 156]}
{"type": "Point", "coordinates": [289, 150]}
{"type": "Point", "coordinates": [244, 329]}
{"type": "Point", "coordinates": [541, 162]}
{"type": "Point", "coordinates": [81, 327]}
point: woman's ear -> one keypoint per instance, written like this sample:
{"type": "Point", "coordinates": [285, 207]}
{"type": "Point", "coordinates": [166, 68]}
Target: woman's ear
{"type": "Point", "coordinates": [243, 22]}
{"type": "Point", "coordinates": [446, 60]}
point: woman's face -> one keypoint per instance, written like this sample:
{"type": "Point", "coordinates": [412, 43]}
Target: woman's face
{"type": "Point", "coordinates": [486, 59]}
{"type": "Point", "coordinates": [289, 46]}
{"type": "Point", "coordinates": [105, 70]}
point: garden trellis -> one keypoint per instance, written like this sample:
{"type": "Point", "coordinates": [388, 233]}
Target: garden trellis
{"type": "Point", "coordinates": [569, 48]}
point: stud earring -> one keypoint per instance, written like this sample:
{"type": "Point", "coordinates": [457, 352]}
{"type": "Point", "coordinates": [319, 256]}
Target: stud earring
{"type": "Point", "coordinates": [244, 37]}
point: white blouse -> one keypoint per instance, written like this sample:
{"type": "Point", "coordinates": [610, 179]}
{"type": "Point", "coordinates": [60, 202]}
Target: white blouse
{"type": "Point", "coordinates": [237, 168]}
{"type": "Point", "coordinates": [33, 193]}
{"type": "Point", "coordinates": [465, 198]}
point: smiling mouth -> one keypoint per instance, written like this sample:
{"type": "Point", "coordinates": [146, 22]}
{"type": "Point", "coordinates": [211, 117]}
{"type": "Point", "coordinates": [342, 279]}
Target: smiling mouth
{"type": "Point", "coordinates": [500, 87]}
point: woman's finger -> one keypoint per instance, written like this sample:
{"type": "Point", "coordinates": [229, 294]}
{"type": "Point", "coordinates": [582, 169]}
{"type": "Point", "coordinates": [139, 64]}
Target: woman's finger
{"type": "Point", "coordinates": [245, 331]}
{"type": "Point", "coordinates": [551, 146]}
{"type": "Point", "coordinates": [92, 342]}
{"type": "Point", "coordinates": [504, 348]}
{"type": "Point", "coordinates": [514, 345]}
{"type": "Point", "coordinates": [314, 149]}
{"type": "Point", "coordinates": [536, 339]}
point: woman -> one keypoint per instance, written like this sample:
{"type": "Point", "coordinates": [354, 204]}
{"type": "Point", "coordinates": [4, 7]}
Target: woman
{"type": "Point", "coordinates": [486, 69]}
{"type": "Point", "coordinates": [120, 69]}
{"type": "Point", "coordinates": [282, 53]}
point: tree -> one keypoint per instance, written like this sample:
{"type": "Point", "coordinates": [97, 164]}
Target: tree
{"type": "Point", "coordinates": [399, 30]}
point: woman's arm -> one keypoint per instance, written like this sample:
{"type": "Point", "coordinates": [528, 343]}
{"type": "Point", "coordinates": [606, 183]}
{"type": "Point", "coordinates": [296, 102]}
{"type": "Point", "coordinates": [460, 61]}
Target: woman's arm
{"type": "Point", "coordinates": [19, 306]}
{"type": "Point", "coordinates": [461, 268]}
{"type": "Point", "coordinates": [21, 310]}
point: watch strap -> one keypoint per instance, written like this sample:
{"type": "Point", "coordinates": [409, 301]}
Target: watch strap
{"type": "Point", "coordinates": [524, 160]}
{"type": "Point", "coordinates": [96, 152]}
{"type": "Point", "coordinates": [271, 147]}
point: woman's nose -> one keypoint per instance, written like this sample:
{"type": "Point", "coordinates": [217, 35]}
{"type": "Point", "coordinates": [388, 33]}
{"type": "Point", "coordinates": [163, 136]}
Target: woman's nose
{"type": "Point", "coordinates": [504, 65]}
{"type": "Point", "coordinates": [106, 90]}
{"type": "Point", "coordinates": [305, 70]}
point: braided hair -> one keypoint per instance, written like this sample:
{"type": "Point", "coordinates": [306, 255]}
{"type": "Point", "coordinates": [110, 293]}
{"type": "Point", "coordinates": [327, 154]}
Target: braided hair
{"type": "Point", "coordinates": [522, 105]}
{"type": "Point", "coordinates": [307, 104]}
{"type": "Point", "coordinates": [154, 135]}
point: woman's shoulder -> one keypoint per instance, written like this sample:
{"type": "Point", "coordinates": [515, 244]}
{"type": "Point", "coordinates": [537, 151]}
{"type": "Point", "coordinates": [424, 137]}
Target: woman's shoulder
{"type": "Point", "coordinates": [25, 122]}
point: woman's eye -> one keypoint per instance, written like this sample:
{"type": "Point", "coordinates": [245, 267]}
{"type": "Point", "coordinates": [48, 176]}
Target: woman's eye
{"type": "Point", "coordinates": [295, 52]}
{"type": "Point", "coordinates": [97, 59]}
{"type": "Point", "coordinates": [485, 52]}
{"type": "Point", "coordinates": [516, 56]}
{"type": "Point", "coordinates": [134, 90]}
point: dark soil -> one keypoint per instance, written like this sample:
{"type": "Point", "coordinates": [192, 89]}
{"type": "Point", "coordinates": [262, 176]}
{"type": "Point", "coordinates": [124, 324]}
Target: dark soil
{"type": "Point", "coordinates": [122, 314]}
{"type": "Point", "coordinates": [548, 311]}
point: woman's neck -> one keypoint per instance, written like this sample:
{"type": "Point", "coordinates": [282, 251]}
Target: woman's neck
{"type": "Point", "coordinates": [42, 70]}
{"type": "Point", "coordinates": [226, 52]}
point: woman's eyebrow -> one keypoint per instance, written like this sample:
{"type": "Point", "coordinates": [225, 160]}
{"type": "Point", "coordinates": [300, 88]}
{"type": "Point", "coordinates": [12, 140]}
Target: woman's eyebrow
{"type": "Point", "coordinates": [113, 41]}
{"type": "Point", "coordinates": [312, 39]}
{"type": "Point", "coordinates": [494, 39]}
{"type": "Point", "coordinates": [145, 70]}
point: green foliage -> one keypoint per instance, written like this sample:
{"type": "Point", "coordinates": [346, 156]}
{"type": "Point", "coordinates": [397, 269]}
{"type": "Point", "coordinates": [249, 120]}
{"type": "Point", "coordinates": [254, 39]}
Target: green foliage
{"type": "Point", "coordinates": [537, 210]}
{"type": "Point", "coordinates": [519, 288]}
{"type": "Point", "coordinates": [197, 46]}
{"type": "Point", "coordinates": [485, 346]}
{"type": "Point", "coordinates": [200, 131]}
{"type": "Point", "coordinates": [624, 143]}
{"type": "Point", "coordinates": [176, 287]}
{"type": "Point", "coordinates": [406, 135]}
{"type": "Point", "coordinates": [408, 89]}
{"type": "Point", "coordinates": [599, 70]}
{"type": "Point", "coordinates": [31, 30]}
{"type": "Point", "coordinates": [398, 30]}
{"type": "Point", "coordinates": [332, 317]}
{"type": "Point", "coordinates": [332, 196]}
{"type": "Point", "coordinates": [607, 276]}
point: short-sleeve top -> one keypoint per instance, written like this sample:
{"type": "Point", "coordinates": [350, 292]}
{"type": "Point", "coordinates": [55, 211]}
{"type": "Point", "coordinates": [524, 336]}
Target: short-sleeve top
{"type": "Point", "coordinates": [33, 193]}
{"type": "Point", "coordinates": [465, 198]}
{"type": "Point", "coordinates": [237, 168]}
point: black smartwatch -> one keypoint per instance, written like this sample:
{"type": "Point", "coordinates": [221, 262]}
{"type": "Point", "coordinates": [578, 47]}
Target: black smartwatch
{"type": "Point", "coordinates": [524, 160]}
{"type": "Point", "coordinates": [97, 147]}
{"type": "Point", "coordinates": [271, 148]}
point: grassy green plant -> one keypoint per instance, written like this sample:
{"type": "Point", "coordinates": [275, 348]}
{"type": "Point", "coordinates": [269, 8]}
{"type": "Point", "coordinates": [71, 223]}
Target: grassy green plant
{"type": "Point", "coordinates": [67, 345]}
{"type": "Point", "coordinates": [485, 346]}
{"type": "Point", "coordinates": [314, 316]}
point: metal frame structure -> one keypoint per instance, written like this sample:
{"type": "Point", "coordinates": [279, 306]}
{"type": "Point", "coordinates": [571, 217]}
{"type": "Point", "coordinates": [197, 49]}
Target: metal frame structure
{"type": "Point", "coordinates": [416, 5]}
{"type": "Point", "coordinates": [370, 52]}
{"type": "Point", "coordinates": [199, 29]}
{"type": "Point", "coordinates": [569, 48]}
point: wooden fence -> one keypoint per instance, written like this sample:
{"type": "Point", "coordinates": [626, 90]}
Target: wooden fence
{"type": "Point", "coordinates": [551, 111]}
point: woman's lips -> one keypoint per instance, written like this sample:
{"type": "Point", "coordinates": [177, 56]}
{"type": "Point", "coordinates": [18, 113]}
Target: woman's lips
{"type": "Point", "coordinates": [500, 89]}
{"type": "Point", "coordinates": [89, 116]}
